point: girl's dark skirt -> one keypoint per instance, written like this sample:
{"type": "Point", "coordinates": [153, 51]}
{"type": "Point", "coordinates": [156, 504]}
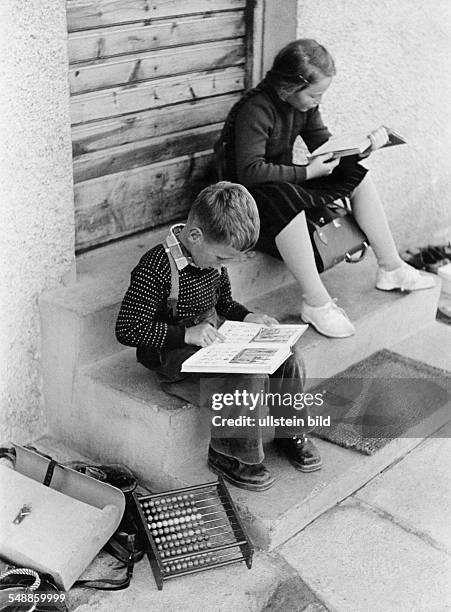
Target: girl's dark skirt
{"type": "Point", "coordinates": [280, 203]}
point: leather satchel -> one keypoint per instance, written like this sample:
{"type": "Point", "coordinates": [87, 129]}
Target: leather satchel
{"type": "Point", "coordinates": [336, 237]}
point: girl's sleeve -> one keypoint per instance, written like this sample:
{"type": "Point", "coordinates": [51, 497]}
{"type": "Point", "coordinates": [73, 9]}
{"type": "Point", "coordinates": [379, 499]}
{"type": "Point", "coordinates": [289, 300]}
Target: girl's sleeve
{"type": "Point", "coordinates": [226, 306]}
{"type": "Point", "coordinates": [147, 293]}
{"type": "Point", "coordinates": [315, 133]}
{"type": "Point", "coordinates": [253, 126]}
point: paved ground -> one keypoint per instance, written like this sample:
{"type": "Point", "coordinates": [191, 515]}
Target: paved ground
{"type": "Point", "coordinates": [387, 548]}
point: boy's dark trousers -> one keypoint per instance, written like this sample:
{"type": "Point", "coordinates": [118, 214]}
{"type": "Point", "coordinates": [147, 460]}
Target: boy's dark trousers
{"type": "Point", "coordinates": [243, 443]}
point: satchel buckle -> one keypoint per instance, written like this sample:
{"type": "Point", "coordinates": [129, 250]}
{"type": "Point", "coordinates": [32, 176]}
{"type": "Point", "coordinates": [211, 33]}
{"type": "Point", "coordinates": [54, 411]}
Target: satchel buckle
{"type": "Point", "coordinates": [23, 512]}
{"type": "Point", "coordinates": [349, 257]}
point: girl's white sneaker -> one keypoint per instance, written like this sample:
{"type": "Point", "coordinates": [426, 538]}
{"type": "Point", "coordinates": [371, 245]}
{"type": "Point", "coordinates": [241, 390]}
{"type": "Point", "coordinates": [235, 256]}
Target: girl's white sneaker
{"type": "Point", "coordinates": [329, 320]}
{"type": "Point", "coordinates": [404, 278]}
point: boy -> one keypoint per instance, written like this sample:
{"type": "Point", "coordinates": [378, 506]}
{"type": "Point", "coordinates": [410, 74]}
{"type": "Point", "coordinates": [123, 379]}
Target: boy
{"type": "Point", "coordinates": [178, 294]}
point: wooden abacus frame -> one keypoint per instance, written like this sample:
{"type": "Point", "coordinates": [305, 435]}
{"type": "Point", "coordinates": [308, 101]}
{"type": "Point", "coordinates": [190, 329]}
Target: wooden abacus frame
{"type": "Point", "coordinates": [200, 508]}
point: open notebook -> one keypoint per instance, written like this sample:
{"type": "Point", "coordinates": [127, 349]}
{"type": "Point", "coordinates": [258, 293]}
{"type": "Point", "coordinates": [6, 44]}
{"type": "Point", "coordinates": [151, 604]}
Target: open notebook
{"type": "Point", "coordinates": [248, 348]}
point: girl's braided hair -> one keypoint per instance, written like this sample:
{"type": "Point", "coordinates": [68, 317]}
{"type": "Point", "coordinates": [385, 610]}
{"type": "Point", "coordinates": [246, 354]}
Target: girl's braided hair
{"type": "Point", "coordinates": [299, 64]}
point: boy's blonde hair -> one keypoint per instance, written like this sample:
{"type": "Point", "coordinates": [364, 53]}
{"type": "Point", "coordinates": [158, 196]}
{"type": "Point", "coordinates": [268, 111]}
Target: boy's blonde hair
{"type": "Point", "coordinates": [227, 213]}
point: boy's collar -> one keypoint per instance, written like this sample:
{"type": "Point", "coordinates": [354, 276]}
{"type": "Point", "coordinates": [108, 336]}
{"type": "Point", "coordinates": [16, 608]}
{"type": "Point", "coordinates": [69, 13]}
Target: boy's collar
{"type": "Point", "coordinates": [179, 252]}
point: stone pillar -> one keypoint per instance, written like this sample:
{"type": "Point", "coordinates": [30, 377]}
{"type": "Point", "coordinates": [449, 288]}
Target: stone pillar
{"type": "Point", "coordinates": [36, 195]}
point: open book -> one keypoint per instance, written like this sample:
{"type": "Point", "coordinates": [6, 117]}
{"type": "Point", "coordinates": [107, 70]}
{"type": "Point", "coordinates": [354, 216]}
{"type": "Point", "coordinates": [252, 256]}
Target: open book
{"type": "Point", "coordinates": [354, 144]}
{"type": "Point", "coordinates": [247, 348]}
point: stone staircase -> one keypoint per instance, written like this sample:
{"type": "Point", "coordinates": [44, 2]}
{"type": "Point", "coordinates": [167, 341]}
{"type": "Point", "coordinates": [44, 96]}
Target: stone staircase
{"type": "Point", "coordinates": [105, 405]}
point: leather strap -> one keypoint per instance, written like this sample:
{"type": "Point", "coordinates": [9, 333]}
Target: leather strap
{"type": "Point", "coordinates": [174, 293]}
{"type": "Point", "coordinates": [49, 473]}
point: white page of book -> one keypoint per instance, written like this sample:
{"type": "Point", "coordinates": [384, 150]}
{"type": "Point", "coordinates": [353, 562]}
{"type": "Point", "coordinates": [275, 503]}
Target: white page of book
{"type": "Point", "coordinates": [357, 140]}
{"type": "Point", "coordinates": [236, 332]}
{"type": "Point", "coordinates": [221, 357]}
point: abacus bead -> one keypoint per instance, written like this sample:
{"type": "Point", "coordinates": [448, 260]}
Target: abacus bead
{"type": "Point", "coordinates": [184, 565]}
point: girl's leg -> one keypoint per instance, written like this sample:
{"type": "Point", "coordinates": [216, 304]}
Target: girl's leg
{"type": "Point", "coordinates": [318, 308]}
{"type": "Point", "coordinates": [393, 273]}
{"type": "Point", "coordinates": [370, 215]}
{"type": "Point", "coordinates": [296, 249]}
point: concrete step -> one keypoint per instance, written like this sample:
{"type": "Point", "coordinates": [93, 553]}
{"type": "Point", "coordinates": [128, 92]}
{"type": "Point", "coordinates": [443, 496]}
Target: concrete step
{"type": "Point", "coordinates": [152, 422]}
{"type": "Point", "coordinates": [117, 408]}
{"type": "Point", "coordinates": [382, 318]}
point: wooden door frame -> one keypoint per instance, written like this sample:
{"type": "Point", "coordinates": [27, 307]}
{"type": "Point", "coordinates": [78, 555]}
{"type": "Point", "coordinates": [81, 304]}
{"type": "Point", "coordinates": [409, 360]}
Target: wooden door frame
{"type": "Point", "coordinates": [274, 24]}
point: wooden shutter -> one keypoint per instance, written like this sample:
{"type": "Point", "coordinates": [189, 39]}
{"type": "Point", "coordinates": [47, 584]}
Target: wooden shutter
{"type": "Point", "coordinates": [151, 83]}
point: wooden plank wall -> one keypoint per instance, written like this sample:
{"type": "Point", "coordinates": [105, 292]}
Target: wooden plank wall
{"type": "Point", "coordinates": [151, 83]}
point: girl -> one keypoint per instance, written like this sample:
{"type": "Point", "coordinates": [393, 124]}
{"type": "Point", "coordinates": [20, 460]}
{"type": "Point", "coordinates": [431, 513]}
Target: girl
{"type": "Point", "coordinates": [255, 149]}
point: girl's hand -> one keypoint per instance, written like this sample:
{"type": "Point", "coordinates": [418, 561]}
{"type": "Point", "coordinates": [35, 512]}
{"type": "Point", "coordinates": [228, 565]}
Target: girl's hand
{"type": "Point", "coordinates": [203, 334]}
{"type": "Point", "coordinates": [262, 319]}
{"type": "Point", "coordinates": [378, 138]}
{"type": "Point", "coordinates": [323, 165]}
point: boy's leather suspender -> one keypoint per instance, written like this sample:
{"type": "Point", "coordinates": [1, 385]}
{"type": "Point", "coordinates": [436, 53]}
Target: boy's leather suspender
{"type": "Point", "coordinates": [174, 293]}
{"type": "Point", "coordinates": [173, 251]}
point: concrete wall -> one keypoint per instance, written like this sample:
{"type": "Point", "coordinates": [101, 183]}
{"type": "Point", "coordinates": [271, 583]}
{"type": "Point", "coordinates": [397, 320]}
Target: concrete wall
{"type": "Point", "coordinates": [36, 196]}
{"type": "Point", "coordinates": [393, 67]}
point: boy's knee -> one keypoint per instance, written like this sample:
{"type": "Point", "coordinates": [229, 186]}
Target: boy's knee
{"type": "Point", "coordinates": [295, 367]}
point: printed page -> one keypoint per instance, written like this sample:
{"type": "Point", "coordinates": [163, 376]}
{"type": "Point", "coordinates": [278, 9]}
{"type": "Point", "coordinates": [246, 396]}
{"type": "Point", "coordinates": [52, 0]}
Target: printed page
{"type": "Point", "coordinates": [233, 358]}
{"type": "Point", "coordinates": [236, 332]}
{"type": "Point", "coordinates": [358, 140]}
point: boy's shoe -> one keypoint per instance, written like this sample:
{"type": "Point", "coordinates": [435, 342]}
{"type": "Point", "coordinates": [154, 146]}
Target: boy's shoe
{"type": "Point", "coordinates": [250, 477]}
{"type": "Point", "coordinates": [404, 278]}
{"type": "Point", "coordinates": [329, 320]}
{"type": "Point", "coordinates": [301, 452]}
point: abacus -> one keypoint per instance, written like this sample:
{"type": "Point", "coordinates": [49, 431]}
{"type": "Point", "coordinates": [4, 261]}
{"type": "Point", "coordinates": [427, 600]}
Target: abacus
{"type": "Point", "coordinates": [189, 530]}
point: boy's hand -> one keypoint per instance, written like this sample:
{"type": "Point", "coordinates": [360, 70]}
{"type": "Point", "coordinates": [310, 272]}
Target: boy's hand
{"type": "Point", "coordinates": [323, 165]}
{"type": "Point", "coordinates": [203, 334]}
{"type": "Point", "coordinates": [262, 319]}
